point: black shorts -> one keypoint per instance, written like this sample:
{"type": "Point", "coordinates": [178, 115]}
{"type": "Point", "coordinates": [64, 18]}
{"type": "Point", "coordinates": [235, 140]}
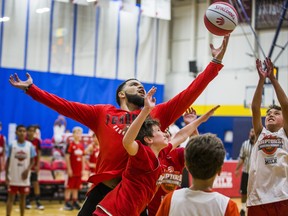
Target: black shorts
{"type": "Point", "coordinates": [34, 177]}
{"type": "Point", "coordinates": [244, 183]}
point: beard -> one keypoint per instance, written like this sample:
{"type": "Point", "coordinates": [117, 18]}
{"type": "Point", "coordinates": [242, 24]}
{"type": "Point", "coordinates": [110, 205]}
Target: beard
{"type": "Point", "coordinates": [135, 99]}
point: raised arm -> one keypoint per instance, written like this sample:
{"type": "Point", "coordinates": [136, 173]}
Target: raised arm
{"type": "Point", "coordinates": [186, 131]}
{"type": "Point", "coordinates": [281, 96]}
{"type": "Point", "coordinates": [257, 99]}
{"type": "Point", "coordinates": [170, 111]}
{"type": "Point", "coordinates": [128, 141]}
{"type": "Point", "coordinates": [74, 110]}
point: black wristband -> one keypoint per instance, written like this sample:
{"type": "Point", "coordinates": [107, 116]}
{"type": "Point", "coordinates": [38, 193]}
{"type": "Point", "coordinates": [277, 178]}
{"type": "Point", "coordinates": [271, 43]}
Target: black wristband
{"type": "Point", "coordinates": [216, 61]}
{"type": "Point", "coordinates": [26, 89]}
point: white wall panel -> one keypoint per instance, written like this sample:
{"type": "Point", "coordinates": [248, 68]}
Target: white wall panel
{"type": "Point", "coordinates": [14, 34]}
{"type": "Point", "coordinates": [85, 41]}
{"type": "Point", "coordinates": [61, 54]}
{"type": "Point", "coordinates": [127, 52]}
{"type": "Point", "coordinates": [107, 43]}
{"type": "Point", "coordinates": [146, 69]}
{"type": "Point", "coordinates": [38, 41]}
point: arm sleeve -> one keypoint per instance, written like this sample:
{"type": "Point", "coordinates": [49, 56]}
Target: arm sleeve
{"type": "Point", "coordinates": [164, 208]}
{"type": "Point", "coordinates": [232, 209]}
{"type": "Point", "coordinates": [82, 113]}
{"type": "Point", "coordinates": [170, 111]}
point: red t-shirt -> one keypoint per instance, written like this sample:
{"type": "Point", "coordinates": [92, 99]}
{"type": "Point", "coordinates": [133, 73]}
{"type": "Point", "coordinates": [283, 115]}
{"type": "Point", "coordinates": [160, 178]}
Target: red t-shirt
{"type": "Point", "coordinates": [37, 145]}
{"type": "Point", "coordinates": [138, 184]}
{"type": "Point", "coordinates": [110, 123]}
{"type": "Point", "coordinates": [170, 179]}
{"type": "Point", "coordinates": [2, 147]}
{"type": "Point", "coordinates": [76, 152]}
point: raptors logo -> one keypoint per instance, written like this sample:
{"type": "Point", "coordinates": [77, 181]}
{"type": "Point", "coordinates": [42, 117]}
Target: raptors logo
{"type": "Point", "coordinates": [220, 21]}
{"type": "Point", "coordinates": [269, 144]}
{"type": "Point", "coordinates": [170, 179]}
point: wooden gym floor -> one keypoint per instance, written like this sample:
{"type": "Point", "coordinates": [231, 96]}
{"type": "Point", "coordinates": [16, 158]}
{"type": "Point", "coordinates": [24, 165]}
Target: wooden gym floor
{"type": "Point", "coordinates": [55, 208]}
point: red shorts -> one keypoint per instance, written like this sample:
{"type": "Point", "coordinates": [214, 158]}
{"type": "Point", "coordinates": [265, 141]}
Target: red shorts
{"type": "Point", "coordinates": [74, 182]}
{"type": "Point", "coordinates": [20, 189]}
{"type": "Point", "coordinates": [272, 209]}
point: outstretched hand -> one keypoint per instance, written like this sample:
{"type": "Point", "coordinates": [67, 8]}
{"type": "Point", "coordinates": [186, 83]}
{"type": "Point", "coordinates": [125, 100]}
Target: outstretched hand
{"type": "Point", "coordinates": [207, 115]}
{"type": "Point", "coordinates": [267, 71]}
{"type": "Point", "coordinates": [16, 82]}
{"type": "Point", "coordinates": [149, 100]}
{"type": "Point", "coordinates": [218, 53]}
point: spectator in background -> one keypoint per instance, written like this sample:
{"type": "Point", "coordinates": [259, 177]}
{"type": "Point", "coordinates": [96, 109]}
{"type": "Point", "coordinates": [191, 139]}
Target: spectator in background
{"type": "Point", "coordinates": [204, 157]}
{"type": "Point", "coordinates": [59, 129]}
{"type": "Point", "coordinates": [75, 166]}
{"type": "Point", "coordinates": [20, 159]}
{"type": "Point", "coordinates": [244, 161]}
{"type": "Point", "coordinates": [268, 173]}
{"type": "Point", "coordinates": [2, 149]}
{"type": "Point", "coordinates": [92, 152]}
{"type": "Point", "coordinates": [31, 130]}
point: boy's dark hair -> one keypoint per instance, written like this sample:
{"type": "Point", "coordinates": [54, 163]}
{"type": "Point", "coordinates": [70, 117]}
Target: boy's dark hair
{"type": "Point", "coordinates": [204, 156]}
{"type": "Point", "coordinates": [146, 129]}
{"type": "Point", "coordinates": [31, 126]}
{"type": "Point", "coordinates": [120, 87]}
{"type": "Point", "coordinates": [273, 106]}
{"type": "Point", "coordinates": [20, 126]}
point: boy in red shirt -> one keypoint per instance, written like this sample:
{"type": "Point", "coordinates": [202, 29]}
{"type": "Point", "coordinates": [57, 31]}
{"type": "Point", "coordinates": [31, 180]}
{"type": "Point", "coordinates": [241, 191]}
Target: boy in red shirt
{"type": "Point", "coordinates": [75, 165]}
{"type": "Point", "coordinates": [138, 184]}
{"type": "Point", "coordinates": [92, 151]}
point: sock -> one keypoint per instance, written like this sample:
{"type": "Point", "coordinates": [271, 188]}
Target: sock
{"type": "Point", "coordinates": [37, 198]}
{"type": "Point", "coordinates": [244, 206]}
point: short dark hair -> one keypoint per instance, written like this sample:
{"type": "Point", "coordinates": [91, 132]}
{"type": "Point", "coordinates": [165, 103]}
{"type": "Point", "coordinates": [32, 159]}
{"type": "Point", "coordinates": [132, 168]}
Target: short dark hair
{"type": "Point", "coordinates": [31, 126]}
{"type": "Point", "coordinates": [20, 126]}
{"type": "Point", "coordinates": [146, 129]}
{"type": "Point", "coordinates": [273, 106]}
{"type": "Point", "coordinates": [204, 156]}
{"type": "Point", "coordinates": [120, 87]}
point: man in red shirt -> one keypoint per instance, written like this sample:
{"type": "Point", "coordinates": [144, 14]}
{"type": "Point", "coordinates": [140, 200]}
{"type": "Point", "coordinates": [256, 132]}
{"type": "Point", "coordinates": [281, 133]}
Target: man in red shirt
{"type": "Point", "coordinates": [110, 123]}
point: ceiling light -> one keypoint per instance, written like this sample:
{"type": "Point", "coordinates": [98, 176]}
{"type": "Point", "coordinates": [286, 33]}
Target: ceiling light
{"type": "Point", "coordinates": [91, 0]}
{"type": "Point", "coordinates": [42, 10]}
{"type": "Point", "coordinates": [4, 19]}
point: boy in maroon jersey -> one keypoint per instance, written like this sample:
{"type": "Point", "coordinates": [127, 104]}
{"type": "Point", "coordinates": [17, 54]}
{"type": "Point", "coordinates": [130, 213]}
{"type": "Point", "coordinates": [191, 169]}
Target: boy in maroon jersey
{"type": "Point", "coordinates": [2, 149]}
{"type": "Point", "coordinates": [138, 184]}
{"type": "Point", "coordinates": [110, 123]}
{"type": "Point", "coordinates": [92, 151]}
{"type": "Point", "coordinates": [35, 169]}
{"type": "Point", "coordinates": [75, 165]}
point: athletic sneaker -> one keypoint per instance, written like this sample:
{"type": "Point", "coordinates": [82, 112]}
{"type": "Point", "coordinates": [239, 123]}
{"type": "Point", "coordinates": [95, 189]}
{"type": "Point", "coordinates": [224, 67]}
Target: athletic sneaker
{"type": "Point", "coordinates": [39, 206]}
{"type": "Point", "coordinates": [68, 206]}
{"type": "Point", "coordinates": [242, 212]}
{"type": "Point", "coordinates": [76, 205]}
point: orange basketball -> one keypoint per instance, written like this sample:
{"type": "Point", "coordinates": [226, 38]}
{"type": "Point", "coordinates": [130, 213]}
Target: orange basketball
{"type": "Point", "coordinates": [221, 18]}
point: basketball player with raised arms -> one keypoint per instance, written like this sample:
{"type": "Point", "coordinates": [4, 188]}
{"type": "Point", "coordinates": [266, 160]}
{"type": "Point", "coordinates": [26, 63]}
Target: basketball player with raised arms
{"type": "Point", "coordinates": [268, 174]}
{"type": "Point", "coordinates": [110, 123]}
{"type": "Point", "coordinates": [147, 146]}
